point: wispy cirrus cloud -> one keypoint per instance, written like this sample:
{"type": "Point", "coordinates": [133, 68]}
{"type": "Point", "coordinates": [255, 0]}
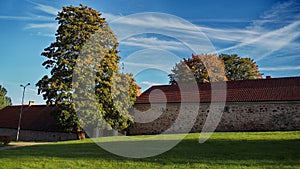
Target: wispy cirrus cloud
{"type": "Point", "coordinates": [187, 34]}
{"type": "Point", "coordinates": [44, 9]}
{"type": "Point", "coordinates": [6, 17]}
{"type": "Point", "coordinates": [144, 60]}
{"type": "Point", "coordinates": [26, 18]}
{"type": "Point", "coordinates": [269, 42]}
{"type": "Point", "coordinates": [41, 25]}
{"type": "Point", "coordinates": [280, 14]}
{"type": "Point", "coordinates": [48, 26]}
{"type": "Point", "coordinates": [110, 17]}
{"type": "Point", "coordinates": [154, 42]}
{"type": "Point", "coordinates": [216, 20]}
{"type": "Point", "coordinates": [280, 68]}
{"type": "Point", "coordinates": [148, 83]}
{"type": "Point", "coordinates": [278, 29]}
{"type": "Point", "coordinates": [150, 21]}
{"type": "Point", "coordinates": [47, 9]}
{"type": "Point", "coordinates": [276, 32]}
{"type": "Point", "coordinates": [270, 38]}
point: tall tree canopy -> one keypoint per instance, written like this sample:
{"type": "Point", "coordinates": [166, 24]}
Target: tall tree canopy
{"type": "Point", "coordinates": [83, 32]}
{"type": "Point", "coordinates": [210, 68]}
{"type": "Point", "coordinates": [238, 68]}
{"type": "Point", "coordinates": [4, 100]}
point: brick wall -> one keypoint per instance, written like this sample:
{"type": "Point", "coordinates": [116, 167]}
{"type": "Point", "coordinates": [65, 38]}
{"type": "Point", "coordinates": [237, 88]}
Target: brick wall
{"type": "Point", "coordinates": [28, 135]}
{"type": "Point", "coordinates": [249, 116]}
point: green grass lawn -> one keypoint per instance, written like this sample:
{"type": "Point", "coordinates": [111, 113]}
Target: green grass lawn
{"type": "Point", "coordinates": [222, 150]}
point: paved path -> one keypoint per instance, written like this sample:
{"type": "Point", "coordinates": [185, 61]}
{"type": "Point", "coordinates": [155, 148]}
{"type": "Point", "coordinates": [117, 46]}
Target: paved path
{"type": "Point", "coordinates": [20, 144]}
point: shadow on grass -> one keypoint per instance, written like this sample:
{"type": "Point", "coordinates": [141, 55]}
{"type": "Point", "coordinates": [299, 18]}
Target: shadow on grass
{"type": "Point", "coordinates": [222, 152]}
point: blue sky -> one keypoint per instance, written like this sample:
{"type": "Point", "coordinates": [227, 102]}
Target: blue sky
{"type": "Point", "coordinates": [267, 31]}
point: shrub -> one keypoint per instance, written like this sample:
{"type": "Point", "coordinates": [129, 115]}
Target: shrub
{"type": "Point", "coordinates": [5, 139]}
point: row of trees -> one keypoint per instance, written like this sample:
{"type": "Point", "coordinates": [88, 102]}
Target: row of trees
{"type": "Point", "coordinates": [84, 42]}
{"type": "Point", "coordinates": [211, 68]}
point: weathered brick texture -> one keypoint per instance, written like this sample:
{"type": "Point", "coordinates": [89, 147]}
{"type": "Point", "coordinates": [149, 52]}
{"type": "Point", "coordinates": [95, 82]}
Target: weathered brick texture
{"type": "Point", "coordinates": [29, 135]}
{"type": "Point", "coordinates": [239, 116]}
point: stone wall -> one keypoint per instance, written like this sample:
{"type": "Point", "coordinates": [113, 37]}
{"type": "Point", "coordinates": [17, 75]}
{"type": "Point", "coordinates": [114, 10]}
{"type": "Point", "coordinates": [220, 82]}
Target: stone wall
{"type": "Point", "coordinates": [29, 135]}
{"type": "Point", "coordinates": [248, 116]}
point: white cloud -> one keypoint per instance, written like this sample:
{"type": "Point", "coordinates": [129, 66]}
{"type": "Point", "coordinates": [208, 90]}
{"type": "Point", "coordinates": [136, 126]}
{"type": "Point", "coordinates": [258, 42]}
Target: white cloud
{"type": "Point", "coordinates": [135, 67]}
{"type": "Point", "coordinates": [147, 83]}
{"type": "Point", "coordinates": [278, 29]}
{"type": "Point", "coordinates": [231, 35]}
{"type": "Point", "coordinates": [25, 18]}
{"type": "Point", "coordinates": [43, 34]}
{"type": "Point", "coordinates": [110, 17]}
{"type": "Point", "coordinates": [147, 59]}
{"type": "Point", "coordinates": [255, 43]}
{"type": "Point", "coordinates": [46, 27]}
{"type": "Point", "coordinates": [284, 12]}
{"type": "Point", "coordinates": [45, 8]}
{"type": "Point", "coordinates": [258, 40]}
{"type": "Point", "coordinates": [269, 42]}
{"type": "Point", "coordinates": [154, 21]}
{"type": "Point", "coordinates": [214, 20]}
{"type": "Point", "coordinates": [272, 37]}
{"type": "Point", "coordinates": [168, 25]}
{"type": "Point", "coordinates": [154, 42]}
{"type": "Point", "coordinates": [280, 68]}
{"type": "Point", "coordinates": [32, 90]}
{"type": "Point", "coordinates": [41, 25]}
{"type": "Point", "coordinates": [15, 17]}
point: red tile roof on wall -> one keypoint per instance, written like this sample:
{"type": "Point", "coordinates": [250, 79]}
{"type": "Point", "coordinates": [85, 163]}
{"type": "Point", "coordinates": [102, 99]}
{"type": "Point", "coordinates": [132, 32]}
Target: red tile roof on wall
{"type": "Point", "coordinates": [35, 117]}
{"type": "Point", "coordinates": [274, 89]}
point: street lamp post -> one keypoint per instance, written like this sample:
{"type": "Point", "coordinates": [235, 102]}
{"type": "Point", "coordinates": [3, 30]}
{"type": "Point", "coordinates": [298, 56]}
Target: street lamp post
{"type": "Point", "coordinates": [20, 117]}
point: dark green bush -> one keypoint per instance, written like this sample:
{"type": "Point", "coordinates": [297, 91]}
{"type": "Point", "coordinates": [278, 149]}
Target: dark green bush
{"type": "Point", "coordinates": [5, 140]}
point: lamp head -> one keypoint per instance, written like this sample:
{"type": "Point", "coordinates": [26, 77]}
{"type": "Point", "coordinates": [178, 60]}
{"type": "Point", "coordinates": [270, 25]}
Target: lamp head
{"type": "Point", "coordinates": [25, 85]}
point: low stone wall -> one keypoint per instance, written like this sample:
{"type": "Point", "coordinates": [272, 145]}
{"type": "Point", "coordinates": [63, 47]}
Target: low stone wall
{"type": "Point", "coordinates": [249, 116]}
{"type": "Point", "coordinates": [29, 135]}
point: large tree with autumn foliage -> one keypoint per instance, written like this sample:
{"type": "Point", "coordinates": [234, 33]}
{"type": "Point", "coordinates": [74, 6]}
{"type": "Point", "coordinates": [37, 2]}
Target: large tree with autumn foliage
{"type": "Point", "coordinates": [83, 38]}
{"type": "Point", "coordinates": [211, 68]}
